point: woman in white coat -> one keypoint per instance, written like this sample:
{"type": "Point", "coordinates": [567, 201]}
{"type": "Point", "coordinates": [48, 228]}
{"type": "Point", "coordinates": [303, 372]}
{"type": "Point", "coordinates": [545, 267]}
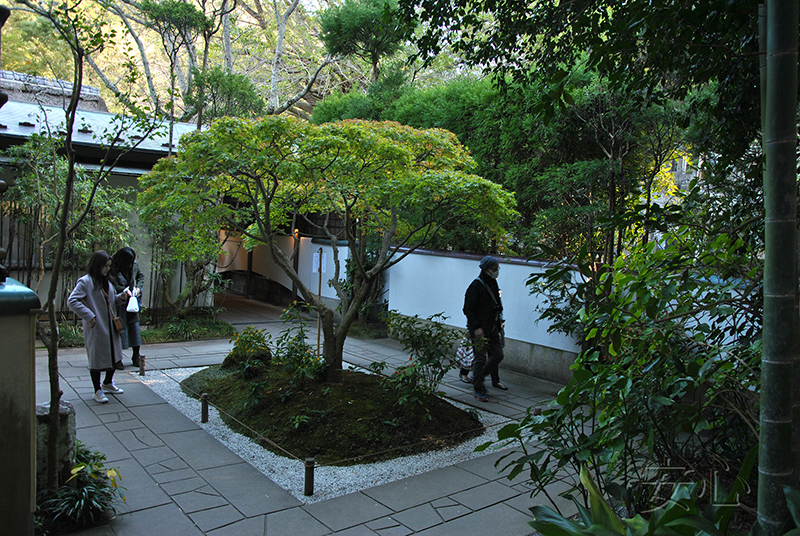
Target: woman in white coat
{"type": "Point", "coordinates": [94, 300]}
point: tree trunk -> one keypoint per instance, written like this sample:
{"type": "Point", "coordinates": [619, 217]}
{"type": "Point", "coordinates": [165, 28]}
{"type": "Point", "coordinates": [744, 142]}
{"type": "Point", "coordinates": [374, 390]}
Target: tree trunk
{"type": "Point", "coordinates": [776, 467]}
{"type": "Point", "coordinates": [52, 348]}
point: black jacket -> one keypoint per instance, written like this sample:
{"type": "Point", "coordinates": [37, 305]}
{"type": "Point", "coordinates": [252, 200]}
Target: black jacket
{"type": "Point", "coordinates": [480, 309]}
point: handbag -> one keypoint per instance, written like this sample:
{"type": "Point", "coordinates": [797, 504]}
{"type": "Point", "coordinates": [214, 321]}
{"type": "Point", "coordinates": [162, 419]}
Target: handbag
{"type": "Point", "coordinates": [118, 325]}
{"type": "Point", "coordinates": [133, 305]}
{"type": "Point", "coordinates": [465, 354]}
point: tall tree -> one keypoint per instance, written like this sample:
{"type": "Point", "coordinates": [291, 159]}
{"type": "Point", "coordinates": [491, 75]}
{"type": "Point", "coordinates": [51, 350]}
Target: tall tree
{"type": "Point", "coordinates": [369, 29]}
{"type": "Point", "coordinates": [83, 35]}
{"type": "Point", "coordinates": [377, 182]}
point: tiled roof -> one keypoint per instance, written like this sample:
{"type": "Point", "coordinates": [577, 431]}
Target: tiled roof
{"type": "Point", "coordinates": [93, 130]}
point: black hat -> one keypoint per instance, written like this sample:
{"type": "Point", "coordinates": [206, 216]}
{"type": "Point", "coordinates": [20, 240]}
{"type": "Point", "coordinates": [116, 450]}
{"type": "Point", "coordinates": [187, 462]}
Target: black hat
{"type": "Point", "coordinates": [488, 261]}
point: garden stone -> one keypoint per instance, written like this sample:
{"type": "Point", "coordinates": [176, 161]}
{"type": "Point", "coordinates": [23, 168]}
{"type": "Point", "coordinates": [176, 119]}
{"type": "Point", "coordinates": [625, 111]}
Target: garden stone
{"type": "Point", "coordinates": [67, 438]}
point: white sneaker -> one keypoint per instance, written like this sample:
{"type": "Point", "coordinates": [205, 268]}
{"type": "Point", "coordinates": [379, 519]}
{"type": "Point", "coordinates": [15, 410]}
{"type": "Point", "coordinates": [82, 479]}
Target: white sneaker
{"type": "Point", "coordinates": [111, 388]}
{"type": "Point", "coordinates": [99, 397]}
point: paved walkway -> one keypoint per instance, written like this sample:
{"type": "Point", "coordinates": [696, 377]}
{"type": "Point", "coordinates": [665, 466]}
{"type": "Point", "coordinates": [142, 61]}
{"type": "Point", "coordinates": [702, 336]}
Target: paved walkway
{"type": "Point", "coordinates": [181, 481]}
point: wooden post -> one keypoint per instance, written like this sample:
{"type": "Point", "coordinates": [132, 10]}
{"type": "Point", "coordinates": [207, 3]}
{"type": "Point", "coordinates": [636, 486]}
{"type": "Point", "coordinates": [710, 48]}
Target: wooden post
{"type": "Point", "coordinates": [308, 490]}
{"type": "Point", "coordinates": [319, 296]}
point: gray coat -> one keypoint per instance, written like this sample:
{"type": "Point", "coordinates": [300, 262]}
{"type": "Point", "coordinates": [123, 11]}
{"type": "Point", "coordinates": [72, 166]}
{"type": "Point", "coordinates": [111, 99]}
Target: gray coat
{"type": "Point", "coordinates": [103, 345]}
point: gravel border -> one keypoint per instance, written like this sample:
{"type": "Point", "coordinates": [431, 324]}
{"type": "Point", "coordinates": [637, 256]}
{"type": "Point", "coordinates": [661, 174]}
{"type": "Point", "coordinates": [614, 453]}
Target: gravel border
{"type": "Point", "coordinates": [329, 481]}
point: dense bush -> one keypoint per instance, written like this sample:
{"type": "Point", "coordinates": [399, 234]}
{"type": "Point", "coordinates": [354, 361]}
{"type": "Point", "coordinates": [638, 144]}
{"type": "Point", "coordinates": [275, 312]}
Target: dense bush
{"type": "Point", "coordinates": [670, 369]}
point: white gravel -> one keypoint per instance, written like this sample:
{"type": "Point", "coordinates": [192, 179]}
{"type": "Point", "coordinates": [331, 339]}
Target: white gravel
{"type": "Point", "coordinates": [330, 481]}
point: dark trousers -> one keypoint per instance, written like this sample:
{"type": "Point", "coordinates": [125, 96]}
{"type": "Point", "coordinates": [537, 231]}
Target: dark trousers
{"type": "Point", "coordinates": [488, 354]}
{"type": "Point", "coordinates": [95, 376]}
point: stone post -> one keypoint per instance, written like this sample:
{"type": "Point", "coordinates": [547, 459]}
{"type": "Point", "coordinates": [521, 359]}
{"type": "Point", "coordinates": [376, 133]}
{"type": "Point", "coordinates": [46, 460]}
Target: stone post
{"type": "Point", "coordinates": [18, 305]}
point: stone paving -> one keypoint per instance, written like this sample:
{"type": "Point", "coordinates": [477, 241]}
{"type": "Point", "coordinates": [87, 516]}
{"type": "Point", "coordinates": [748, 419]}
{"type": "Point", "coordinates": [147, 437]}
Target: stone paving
{"type": "Point", "coordinates": [179, 480]}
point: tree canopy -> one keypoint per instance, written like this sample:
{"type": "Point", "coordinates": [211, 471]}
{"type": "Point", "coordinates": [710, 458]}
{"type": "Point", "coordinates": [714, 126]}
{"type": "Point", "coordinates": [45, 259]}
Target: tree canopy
{"type": "Point", "coordinates": [369, 29]}
{"type": "Point", "coordinates": [378, 183]}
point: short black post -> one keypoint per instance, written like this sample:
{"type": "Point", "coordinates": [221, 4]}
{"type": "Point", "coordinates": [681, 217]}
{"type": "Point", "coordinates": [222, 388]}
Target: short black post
{"type": "Point", "coordinates": [204, 411]}
{"type": "Point", "coordinates": [141, 365]}
{"type": "Point", "coordinates": [309, 487]}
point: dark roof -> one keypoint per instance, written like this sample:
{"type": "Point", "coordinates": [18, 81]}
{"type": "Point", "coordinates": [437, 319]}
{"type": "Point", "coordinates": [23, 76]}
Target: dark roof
{"type": "Point", "coordinates": [92, 133]}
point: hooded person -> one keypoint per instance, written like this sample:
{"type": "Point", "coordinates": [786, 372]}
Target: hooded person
{"type": "Point", "coordinates": [484, 311]}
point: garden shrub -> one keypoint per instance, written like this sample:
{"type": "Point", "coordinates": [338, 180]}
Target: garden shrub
{"type": "Point", "coordinates": [83, 501]}
{"type": "Point", "coordinates": [293, 351]}
{"type": "Point", "coordinates": [669, 374]}
{"type": "Point", "coordinates": [250, 346]}
{"type": "Point", "coordinates": [429, 342]}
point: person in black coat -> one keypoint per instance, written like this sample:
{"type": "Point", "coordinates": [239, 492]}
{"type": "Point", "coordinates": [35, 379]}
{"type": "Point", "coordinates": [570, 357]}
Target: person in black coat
{"type": "Point", "coordinates": [484, 311]}
{"type": "Point", "coordinates": [125, 274]}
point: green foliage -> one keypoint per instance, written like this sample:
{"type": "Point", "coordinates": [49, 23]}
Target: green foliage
{"type": "Point", "coordinates": [187, 329]}
{"type": "Point", "coordinates": [293, 351]}
{"type": "Point", "coordinates": [642, 48]}
{"type": "Point", "coordinates": [670, 368]}
{"type": "Point", "coordinates": [180, 329]}
{"type": "Point", "coordinates": [38, 193]}
{"type": "Point", "coordinates": [84, 500]}
{"type": "Point", "coordinates": [220, 94]}
{"type": "Point", "coordinates": [680, 513]}
{"type": "Point", "coordinates": [183, 228]}
{"type": "Point", "coordinates": [69, 335]}
{"type": "Point", "coordinates": [381, 180]}
{"type": "Point", "coordinates": [592, 160]}
{"type": "Point", "coordinates": [411, 391]}
{"type": "Point", "coordinates": [368, 29]}
{"type": "Point", "coordinates": [430, 344]}
{"type": "Point", "coordinates": [37, 47]}
{"type": "Point", "coordinates": [174, 15]}
{"type": "Point", "coordinates": [250, 345]}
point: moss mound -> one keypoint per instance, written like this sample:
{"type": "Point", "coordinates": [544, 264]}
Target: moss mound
{"type": "Point", "coordinates": [356, 420]}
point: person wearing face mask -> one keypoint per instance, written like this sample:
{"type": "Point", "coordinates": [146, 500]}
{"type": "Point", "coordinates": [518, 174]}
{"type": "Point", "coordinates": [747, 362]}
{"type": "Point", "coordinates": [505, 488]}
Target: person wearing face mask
{"type": "Point", "coordinates": [484, 311]}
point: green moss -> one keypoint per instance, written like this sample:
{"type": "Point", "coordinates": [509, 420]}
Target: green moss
{"type": "Point", "coordinates": [352, 421]}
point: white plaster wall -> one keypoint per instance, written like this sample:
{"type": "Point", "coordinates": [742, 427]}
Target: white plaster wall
{"type": "Point", "coordinates": [425, 284]}
{"type": "Point", "coordinates": [234, 257]}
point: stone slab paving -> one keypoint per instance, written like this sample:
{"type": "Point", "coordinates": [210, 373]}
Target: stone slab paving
{"type": "Point", "coordinates": [179, 480]}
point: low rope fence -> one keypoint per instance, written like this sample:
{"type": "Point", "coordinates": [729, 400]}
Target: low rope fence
{"type": "Point", "coordinates": [309, 464]}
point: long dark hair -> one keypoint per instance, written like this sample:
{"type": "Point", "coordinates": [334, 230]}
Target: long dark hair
{"type": "Point", "coordinates": [95, 268]}
{"type": "Point", "coordinates": [122, 262]}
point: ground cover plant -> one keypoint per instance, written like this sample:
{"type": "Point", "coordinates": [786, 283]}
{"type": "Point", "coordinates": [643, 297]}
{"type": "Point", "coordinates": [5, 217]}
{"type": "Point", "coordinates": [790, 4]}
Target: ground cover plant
{"type": "Point", "coordinates": [85, 500]}
{"type": "Point", "coordinates": [187, 330]}
{"type": "Point", "coordinates": [71, 335]}
{"type": "Point", "coordinates": [357, 420]}
{"type": "Point", "coordinates": [276, 393]}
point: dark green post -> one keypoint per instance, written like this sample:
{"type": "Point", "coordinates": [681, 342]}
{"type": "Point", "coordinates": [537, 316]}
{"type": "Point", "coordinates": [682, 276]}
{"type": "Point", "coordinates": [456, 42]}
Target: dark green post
{"type": "Point", "coordinates": [18, 305]}
{"type": "Point", "coordinates": [776, 466]}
